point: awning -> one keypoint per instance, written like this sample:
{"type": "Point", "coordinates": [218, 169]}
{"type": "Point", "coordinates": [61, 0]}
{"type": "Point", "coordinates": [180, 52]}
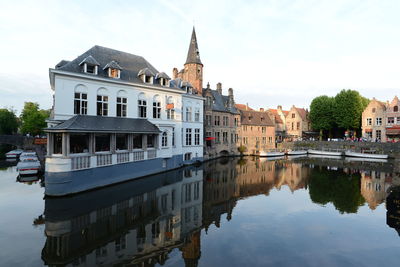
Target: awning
{"type": "Point", "coordinates": [210, 138]}
{"type": "Point", "coordinates": [368, 130]}
{"type": "Point", "coordinates": [395, 131]}
{"type": "Point", "coordinates": [93, 124]}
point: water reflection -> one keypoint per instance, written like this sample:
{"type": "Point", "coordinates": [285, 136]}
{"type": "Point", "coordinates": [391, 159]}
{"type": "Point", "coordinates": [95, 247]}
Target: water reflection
{"type": "Point", "coordinates": [141, 222]}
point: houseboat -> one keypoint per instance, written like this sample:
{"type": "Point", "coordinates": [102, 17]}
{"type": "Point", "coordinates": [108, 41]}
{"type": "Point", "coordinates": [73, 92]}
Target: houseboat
{"type": "Point", "coordinates": [115, 117]}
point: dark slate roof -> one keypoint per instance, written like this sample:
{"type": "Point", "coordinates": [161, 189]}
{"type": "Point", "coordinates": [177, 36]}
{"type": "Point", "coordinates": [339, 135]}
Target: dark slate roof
{"type": "Point", "coordinates": [220, 102]}
{"type": "Point", "coordinates": [162, 75]}
{"type": "Point", "coordinates": [113, 65]}
{"type": "Point", "coordinates": [85, 123]}
{"type": "Point", "coordinates": [89, 60]}
{"type": "Point", "coordinates": [130, 63]}
{"type": "Point", "coordinates": [252, 117]}
{"type": "Point", "coordinates": [193, 55]}
{"type": "Point", "coordinates": [147, 72]}
{"type": "Point", "coordinates": [61, 63]}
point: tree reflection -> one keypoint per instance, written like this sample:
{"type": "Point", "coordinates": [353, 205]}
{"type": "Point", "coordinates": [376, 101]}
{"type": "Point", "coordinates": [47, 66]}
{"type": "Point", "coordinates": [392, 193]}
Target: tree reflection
{"type": "Point", "coordinates": [341, 189]}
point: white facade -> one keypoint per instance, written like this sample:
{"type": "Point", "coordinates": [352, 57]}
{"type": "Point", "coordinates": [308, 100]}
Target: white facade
{"type": "Point", "coordinates": [66, 84]}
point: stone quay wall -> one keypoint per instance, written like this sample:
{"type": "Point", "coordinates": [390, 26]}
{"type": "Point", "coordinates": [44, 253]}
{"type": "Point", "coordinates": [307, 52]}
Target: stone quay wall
{"type": "Point", "coordinates": [391, 149]}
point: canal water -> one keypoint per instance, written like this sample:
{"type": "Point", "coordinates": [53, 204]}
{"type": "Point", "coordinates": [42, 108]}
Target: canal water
{"type": "Point", "coordinates": [227, 212]}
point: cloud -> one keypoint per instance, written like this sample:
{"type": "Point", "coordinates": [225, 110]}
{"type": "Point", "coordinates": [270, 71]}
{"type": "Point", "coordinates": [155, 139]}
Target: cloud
{"type": "Point", "coordinates": [270, 52]}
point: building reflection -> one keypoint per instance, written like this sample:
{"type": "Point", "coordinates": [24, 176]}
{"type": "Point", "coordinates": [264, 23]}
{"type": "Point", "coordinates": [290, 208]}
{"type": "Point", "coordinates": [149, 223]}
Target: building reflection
{"type": "Point", "coordinates": [136, 223]}
{"type": "Point", "coordinates": [141, 222]}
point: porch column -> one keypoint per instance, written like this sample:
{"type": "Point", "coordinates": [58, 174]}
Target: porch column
{"type": "Point", "coordinates": [91, 143]}
{"type": "Point", "coordinates": [144, 142]}
{"type": "Point", "coordinates": [113, 144]}
{"type": "Point", "coordinates": [130, 142]}
{"type": "Point", "coordinates": [50, 144]}
{"type": "Point", "coordinates": [65, 144]}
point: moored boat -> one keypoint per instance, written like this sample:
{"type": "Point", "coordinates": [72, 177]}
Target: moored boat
{"type": "Point", "coordinates": [296, 152]}
{"type": "Point", "coordinates": [325, 152]}
{"type": "Point", "coordinates": [27, 154]}
{"type": "Point", "coordinates": [13, 154]}
{"type": "Point", "coordinates": [365, 154]}
{"type": "Point", "coordinates": [28, 166]}
{"type": "Point", "coordinates": [272, 153]}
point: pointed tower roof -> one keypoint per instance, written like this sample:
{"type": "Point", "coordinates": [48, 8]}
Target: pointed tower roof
{"type": "Point", "coordinates": [193, 55]}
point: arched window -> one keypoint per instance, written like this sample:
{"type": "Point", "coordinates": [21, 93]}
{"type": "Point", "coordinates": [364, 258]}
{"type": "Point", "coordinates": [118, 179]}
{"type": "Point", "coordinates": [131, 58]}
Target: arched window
{"type": "Point", "coordinates": [156, 107]}
{"type": "Point", "coordinates": [164, 139]}
{"type": "Point", "coordinates": [170, 108]}
{"type": "Point", "coordinates": [122, 103]}
{"type": "Point", "coordinates": [102, 102]}
{"type": "Point", "coordinates": [396, 108]}
{"type": "Point", "coordinates": [80, 100]}
{"type": "Point", "coordinates": [142, 106]}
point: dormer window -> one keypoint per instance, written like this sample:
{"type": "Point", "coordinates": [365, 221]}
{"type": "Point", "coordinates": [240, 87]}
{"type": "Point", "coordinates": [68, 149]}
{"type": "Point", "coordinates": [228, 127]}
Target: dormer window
{"type": "Point", "coordinates": [187, 87]}
{"type": "Point", "coordinates": [90, 65]}
{"type": "Point", "coordinates": [113, 69]}
{"type": "Point", "coordinates": [91, 69]}
{"type": "Point", "coordinates": [163, 78]}
{"type": "Point", "coordinates": [146, 75]}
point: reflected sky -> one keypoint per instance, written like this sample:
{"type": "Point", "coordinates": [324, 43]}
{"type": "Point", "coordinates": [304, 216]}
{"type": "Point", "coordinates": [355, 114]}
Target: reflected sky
{"type": "Point", "coordinates": [224, 213]}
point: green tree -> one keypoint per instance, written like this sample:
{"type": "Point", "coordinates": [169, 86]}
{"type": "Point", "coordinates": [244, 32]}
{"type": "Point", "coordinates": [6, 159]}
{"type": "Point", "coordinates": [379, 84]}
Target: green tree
{"type": "Point", "coordinates": [33, 119]}
{"type": "Point", "coordinates": [8, 121]}
{"type": "Point", "coordinates": [349, 105]}
{"type": "Point", "coordinates": [322, 113]}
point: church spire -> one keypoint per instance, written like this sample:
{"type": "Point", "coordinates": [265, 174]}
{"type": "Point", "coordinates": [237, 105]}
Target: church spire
{"type": "Point", "coordinates": [193, 55]}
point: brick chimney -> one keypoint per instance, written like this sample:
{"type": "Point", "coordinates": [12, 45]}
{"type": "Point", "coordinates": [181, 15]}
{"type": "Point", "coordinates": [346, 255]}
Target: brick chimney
{"type": "Point", "coordinates": [174, 73]}
{"type": "Point", "coordinates": [219, 88]}
{"type": "Point", "coordinates": [231, 101]}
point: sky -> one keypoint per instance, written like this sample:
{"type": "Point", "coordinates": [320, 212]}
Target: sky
{"type": "Point", "coordinates": [275, 52]}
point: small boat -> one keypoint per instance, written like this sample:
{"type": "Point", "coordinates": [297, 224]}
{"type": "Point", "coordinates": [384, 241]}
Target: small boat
{"type": "Point", "coordinates": [13, 154]}
{"type": "Point", "coordinates": [272, 153]}
{"type": "Point", "coordinates": [28, 166]}
{"type": "Point", "coordinates": [296, 152]}
{"type": "Point", "coordinates": [365, 154]}
{"type": "Point", "coordinates": [325, 152]}
{"type": "Point", "coordinates": [27, 154]}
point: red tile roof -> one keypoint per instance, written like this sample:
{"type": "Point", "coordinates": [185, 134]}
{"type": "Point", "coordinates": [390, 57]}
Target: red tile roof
{"type": "Point", "coordinates": [243, 107]}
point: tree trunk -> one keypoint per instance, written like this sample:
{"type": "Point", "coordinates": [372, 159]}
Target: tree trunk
{"type": "Point", "coordinates": [321, 132]}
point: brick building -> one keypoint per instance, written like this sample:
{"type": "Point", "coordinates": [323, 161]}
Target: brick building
{"type": "Point", "coordinates": [297, 123]}
{"type": "Point", "coordinates": [381, 121]}
{"type": "Point", "coordinates": [257, 131]}
{"type": "Point", "coordinates": [221, 123]}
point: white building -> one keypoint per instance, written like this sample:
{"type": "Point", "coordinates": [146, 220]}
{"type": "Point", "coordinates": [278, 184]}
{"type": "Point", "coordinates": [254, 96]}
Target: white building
{"type": "Point", "coordinates": [115, 117]}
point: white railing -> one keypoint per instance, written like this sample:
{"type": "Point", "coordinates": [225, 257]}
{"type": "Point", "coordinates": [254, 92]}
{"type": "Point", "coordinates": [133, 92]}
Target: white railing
{"type": "Point", "coordinates": [138, 155]}
{"type": "Point", "coordinates": [151, 154]}
{"type": "Point", "coordinates": [104, 159]}
{"type": "Point", "coordinates": [122, 157]}
{"type": "Point", "coordinates": [82, 162]}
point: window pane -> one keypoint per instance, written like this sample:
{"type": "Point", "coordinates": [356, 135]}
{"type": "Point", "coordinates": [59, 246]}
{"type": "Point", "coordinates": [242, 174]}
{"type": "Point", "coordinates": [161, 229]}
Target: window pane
{"type": "Point", "coordinates": [79, 143]}
{"type": "Point", "coordinates": [102, 142]}
{"type": "Point", "coordinates": [122, 141]}
{"type": "Point", "coordinates": [57, 143]}
{"type": "Point", "coordinates": [137, 141]}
